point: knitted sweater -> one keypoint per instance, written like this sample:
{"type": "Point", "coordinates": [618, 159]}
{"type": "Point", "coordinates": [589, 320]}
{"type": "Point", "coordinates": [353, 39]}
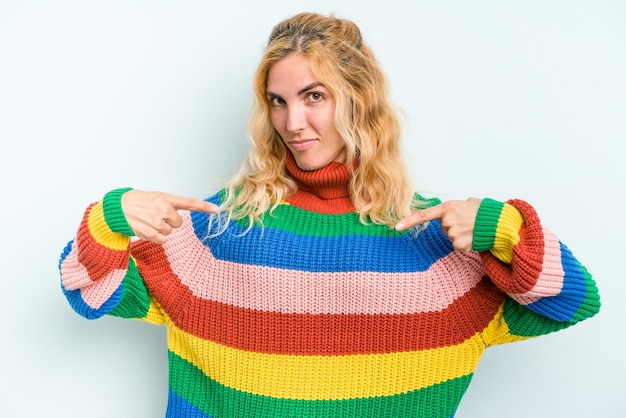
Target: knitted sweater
{"type": "Point", "coordinates": [314, 314]}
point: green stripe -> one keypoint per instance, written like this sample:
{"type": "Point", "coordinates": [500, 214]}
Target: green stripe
{"type": "Point", "coordinates": [486, 224]}
{"type": "Point", "coordinates": [135, 300]}
{"type": "Point", "coordinates": [316, 224]}
{"type": "Point", "coordinates": [525, 323]}
{"type": "Point", "coordinates": [591, 303]}
{"type": "Point", "coordinates": [113, 213]}
{"type": "Point", "coordinates": [220, 401]}
{"type": "Point", "coordinates": [421, 202]}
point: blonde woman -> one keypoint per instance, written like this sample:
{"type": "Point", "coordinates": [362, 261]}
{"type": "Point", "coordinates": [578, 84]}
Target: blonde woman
{"type": "Point", "coordinates": [317, 284]}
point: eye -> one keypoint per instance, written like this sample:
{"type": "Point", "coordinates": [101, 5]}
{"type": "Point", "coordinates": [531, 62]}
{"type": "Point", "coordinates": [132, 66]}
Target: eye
{"type": "Point", "coordinates": [276, 101]}
{"type": "Point", "coordinates": [314, 96]}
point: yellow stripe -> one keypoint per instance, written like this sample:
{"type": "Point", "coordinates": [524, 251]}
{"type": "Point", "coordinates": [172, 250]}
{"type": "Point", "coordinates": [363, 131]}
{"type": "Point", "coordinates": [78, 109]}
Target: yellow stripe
{"type": "Point", "coordinates": [101, 232]}
{"type": "Point", "coordinates": [326, 377]}
{"type": "Point", "coordinates": [498, 332]}
{"type": "Point", "coordinates": [507, 233]}
{"type": "Point", "coordinates": [155, 313]}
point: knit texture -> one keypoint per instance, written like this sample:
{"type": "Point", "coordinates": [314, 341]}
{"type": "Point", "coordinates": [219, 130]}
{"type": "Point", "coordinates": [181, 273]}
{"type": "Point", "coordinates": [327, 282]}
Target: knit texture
{"type": "Point", "coordinates": [315, 315]}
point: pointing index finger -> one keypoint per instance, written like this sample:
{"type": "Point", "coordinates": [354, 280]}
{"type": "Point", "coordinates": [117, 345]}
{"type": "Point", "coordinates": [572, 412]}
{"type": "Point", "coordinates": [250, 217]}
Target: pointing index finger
{"type": "Point", "coordinates": [420, 217]}
{"type": "Point", "coordinates": [193, 204]}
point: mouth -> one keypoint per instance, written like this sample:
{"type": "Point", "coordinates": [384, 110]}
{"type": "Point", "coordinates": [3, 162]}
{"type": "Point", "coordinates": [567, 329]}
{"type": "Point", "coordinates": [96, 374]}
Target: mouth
{"type": "Point", "coordinates": [302, 144]}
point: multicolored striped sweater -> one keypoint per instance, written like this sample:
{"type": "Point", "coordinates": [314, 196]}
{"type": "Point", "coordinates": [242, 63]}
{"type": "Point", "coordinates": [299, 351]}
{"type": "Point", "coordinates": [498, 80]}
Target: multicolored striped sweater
{"type": "Point", "coordinates": [314, 314]}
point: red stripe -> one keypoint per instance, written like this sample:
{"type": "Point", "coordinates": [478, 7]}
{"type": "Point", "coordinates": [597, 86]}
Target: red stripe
{"type": "Point", "coordinates": [522, 274]}
{"type": "Point", "coordinates": [97, 259]}
{"type": "Point", "coordinates": [326, 334]}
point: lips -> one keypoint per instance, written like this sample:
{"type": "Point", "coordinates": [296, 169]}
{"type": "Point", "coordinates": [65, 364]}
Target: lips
{"type": "Point", "coordinates": [302, 144]}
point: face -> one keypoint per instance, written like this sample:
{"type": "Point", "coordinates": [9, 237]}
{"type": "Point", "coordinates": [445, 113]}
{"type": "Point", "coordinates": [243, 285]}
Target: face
{"type": "Point", "coordinates": [302, 111]}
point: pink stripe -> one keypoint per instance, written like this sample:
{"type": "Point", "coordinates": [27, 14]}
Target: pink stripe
{"type": "Point", "coordinates": [99, 292]}
{"type": "Point", "coordinates": [289, 291]}
{"type": "Point", "coordinates": [550, 281]}
{"type": "Point", "coordinates": [94, 294]}
{"type": "Point", "coordinates": [74, 275]}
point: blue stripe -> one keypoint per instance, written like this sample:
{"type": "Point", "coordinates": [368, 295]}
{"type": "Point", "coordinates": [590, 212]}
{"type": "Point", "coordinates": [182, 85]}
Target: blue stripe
{"type": "Point", "coordinates": [564, 306]}
{"type": "Point", "coordinates": [78, 304]}
{"type": "Point", "coordinates": [66, 251]}
{"type": "Point", "coordinates": [178, 407]}
{"type": "Point", "coordinates": [271, 247]}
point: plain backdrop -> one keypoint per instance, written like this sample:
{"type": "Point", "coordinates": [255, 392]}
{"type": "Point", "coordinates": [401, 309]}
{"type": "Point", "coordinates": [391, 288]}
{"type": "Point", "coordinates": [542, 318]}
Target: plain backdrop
{"type": "Point", "coordinates": [502, 98]}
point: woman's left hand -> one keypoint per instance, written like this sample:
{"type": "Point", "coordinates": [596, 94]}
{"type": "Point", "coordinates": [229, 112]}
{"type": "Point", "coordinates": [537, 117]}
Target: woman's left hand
{"type": "Point", "coordinates": [457, 220]}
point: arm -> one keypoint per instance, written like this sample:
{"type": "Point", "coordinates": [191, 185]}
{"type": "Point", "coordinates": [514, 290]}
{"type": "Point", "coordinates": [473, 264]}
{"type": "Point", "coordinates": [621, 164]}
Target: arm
{"type": "Point", "coordinates": [533, 267]}
{"type": "Point", "coordinates": [547, 288]}
{"type": "Point", "coordinates": [98, 273]}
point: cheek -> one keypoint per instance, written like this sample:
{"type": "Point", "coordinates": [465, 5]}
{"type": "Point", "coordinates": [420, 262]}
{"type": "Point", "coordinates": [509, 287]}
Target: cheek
{"type": "Point", "coordinates": [326, 120]}
{"type": "Point", "coordinates": [275, 120]}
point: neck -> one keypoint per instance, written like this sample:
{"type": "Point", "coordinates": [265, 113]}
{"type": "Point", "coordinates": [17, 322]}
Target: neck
{"type": "Point", "coordinates": [324, 190]}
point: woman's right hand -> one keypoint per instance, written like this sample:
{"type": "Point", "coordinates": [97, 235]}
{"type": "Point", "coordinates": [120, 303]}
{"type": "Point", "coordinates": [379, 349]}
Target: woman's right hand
{"type": "Point", "coordinates": [153, 215]}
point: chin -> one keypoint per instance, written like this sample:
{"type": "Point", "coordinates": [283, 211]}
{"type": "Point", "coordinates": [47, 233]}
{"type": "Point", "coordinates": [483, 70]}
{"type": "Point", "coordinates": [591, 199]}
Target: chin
{"type": "Point", "coordinates": [311, 165]}
{"type": "Point", "coordinates": [307, 167]}
{"type": "Point", "coordinates": [309, 161]}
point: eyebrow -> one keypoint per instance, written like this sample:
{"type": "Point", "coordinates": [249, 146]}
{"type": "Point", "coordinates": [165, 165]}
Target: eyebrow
{"type": "Point", "coordinates": [309, 87]}
{"type": "Point", "coordinates": [300, 92]}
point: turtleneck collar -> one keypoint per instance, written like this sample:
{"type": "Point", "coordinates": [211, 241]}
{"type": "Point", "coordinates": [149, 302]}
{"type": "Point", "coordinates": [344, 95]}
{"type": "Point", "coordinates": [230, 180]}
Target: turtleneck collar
{"type": "Point", "coordinates": [324, 190]}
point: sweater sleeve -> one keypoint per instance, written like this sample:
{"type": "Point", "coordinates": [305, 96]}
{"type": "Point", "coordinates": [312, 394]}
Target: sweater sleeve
{"type": "Point", "coordinates": [547, 287]}
{"type": "Point", "coordinates": [98, 273]}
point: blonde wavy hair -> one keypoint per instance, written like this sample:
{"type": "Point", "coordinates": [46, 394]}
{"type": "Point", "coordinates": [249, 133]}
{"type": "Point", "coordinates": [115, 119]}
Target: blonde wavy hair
{"type": "Point", "coordinates": [380, 187]}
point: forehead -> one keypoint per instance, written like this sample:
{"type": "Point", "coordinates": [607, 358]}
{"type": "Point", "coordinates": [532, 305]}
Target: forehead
{"type": "Point", "coordinates": [290, 73]}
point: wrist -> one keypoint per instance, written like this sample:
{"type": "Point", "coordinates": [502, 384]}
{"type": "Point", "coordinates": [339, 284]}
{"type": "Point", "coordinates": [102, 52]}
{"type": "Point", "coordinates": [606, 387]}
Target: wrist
{"type": "Point", "coordinates": [113, 213]}
{"type": "Point", "coordinates": [497, 229]}
{"type": "Point", "coordinates": [486, 224]}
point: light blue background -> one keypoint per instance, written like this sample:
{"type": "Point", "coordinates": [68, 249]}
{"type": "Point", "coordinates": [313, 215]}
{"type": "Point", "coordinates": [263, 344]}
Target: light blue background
{"type": "Point", "coordinates": [522, 99]}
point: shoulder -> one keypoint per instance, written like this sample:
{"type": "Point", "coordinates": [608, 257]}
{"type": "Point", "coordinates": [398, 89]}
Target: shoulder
{"type": "Point", "coordinates": [423, 202]}
{"type": "Point", "coordinates": [217, 198]}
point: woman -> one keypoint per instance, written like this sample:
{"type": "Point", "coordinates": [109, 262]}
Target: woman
{"type": "Point", "coordinates": [317, 283]}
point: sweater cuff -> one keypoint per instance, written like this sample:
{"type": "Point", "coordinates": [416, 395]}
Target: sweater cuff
{"type": "Point", "coordinates": [497, 229]}
{"type": "Point", "coordinates": [113, 213]}
{"type": "Point", "coordinates": [486, 224]}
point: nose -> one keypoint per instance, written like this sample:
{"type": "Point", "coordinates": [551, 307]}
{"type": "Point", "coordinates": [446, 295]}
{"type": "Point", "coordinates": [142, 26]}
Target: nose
{"type": "Point", "coordinates": [296, 119]}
